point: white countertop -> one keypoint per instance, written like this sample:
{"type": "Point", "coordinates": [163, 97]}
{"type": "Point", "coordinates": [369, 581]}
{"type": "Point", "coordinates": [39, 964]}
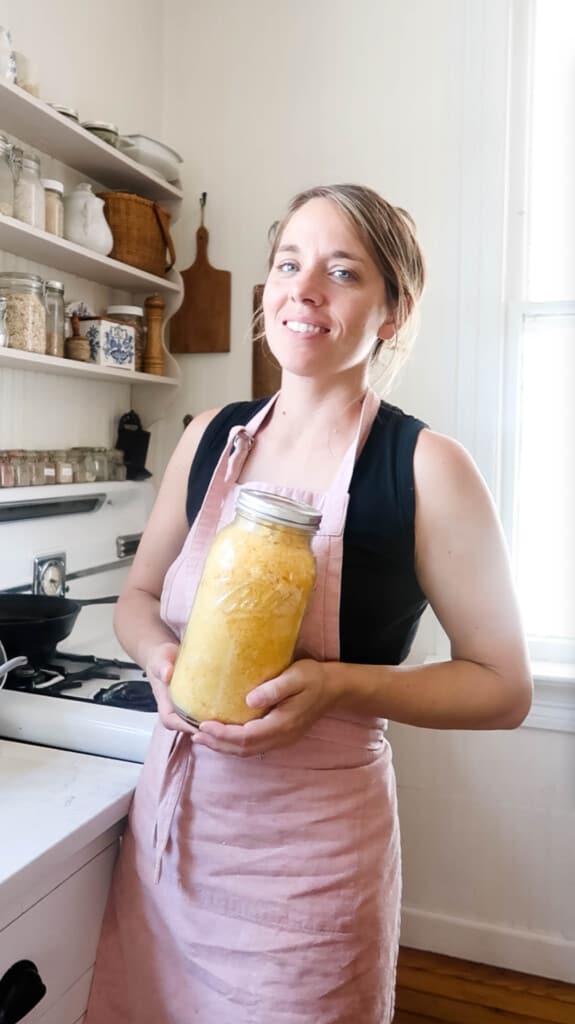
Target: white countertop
{"type": "Point", "coordinates": [52, 804]}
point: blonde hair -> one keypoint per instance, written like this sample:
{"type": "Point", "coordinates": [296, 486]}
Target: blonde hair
{"type": "Point", "coordinates": [389, 234]}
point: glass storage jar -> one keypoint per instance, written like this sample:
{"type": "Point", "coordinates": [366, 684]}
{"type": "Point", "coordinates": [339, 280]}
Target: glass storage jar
{"type": "Point", "coordinates": [7, 477]}
{"type": "Point", "coordinates": [116, 467]}
{"type": "Point", "coordinates": [133, 316]}
{"type": "Point", "coordinates": [25, 310]}
{"type": "Point", "coordinates": [29, 202]}
{"type": "Point", "coordinates": [21, 468]}
{"type": "Point", "coordinates": [54, 206]}
{"type": "Point", "coordinates": [3, 322]}
{"type": "Point", "coordinates": [36, 465]}
{"type": "Point", "coordinates": [6, 178]}
{"type": "Point", "coordinates": [48, 466]}
{"type": "Point", "coordinates": [63, 467]}
{"type": "Point", "coordinates": [248, 609]}
{"type": "Point", "coordinates": [55, 318]}
{"type": "Point", "coordinates": [100, 460]}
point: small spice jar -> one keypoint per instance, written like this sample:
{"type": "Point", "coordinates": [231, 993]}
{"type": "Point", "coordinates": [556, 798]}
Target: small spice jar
{"type": "Point", "coordinates": [29, 202]}
{"type": "Point", "coordinates": [49, 467]}
{"type": "Point", "coordinates": [55, 318]}
{"type": "Point", "coordinates": [63, 467]}
{"type": "Point", "coordinates": [54, 206]}
{"type": "Point", "coordinates": [117, 469]}
{"type": "Point", "coordinates": [21, 468]}
{"type": "Point", "coordinates": [6, 178]}
{"type": "Point", "coordinates": [36, 468]}
{"type": "Point", "coordinates": [248, 610]}
{"type": "Point", "coordinates": [100, 459]}
{"type": "Point", "coordinates": [7, 476]}
{"type": "Point", "coordinates": [134, 317]}
{"type": "Point", "coordinates": [25, 310]}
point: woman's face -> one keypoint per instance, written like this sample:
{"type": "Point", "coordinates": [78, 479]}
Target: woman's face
{"type": "Point", "coordinates": [324, 300]}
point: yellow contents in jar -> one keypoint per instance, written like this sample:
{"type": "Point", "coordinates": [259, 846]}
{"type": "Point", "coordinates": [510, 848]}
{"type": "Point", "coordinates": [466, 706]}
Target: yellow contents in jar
{"type": "Point", "coordinates": [245, 620]}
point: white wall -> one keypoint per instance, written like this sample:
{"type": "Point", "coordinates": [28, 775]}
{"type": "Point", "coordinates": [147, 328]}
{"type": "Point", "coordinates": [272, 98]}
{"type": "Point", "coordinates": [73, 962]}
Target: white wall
{"type": "Point", "coordinates": [409, 96]}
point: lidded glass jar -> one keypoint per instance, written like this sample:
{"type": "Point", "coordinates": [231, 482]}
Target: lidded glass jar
{"type": "Point", "coordinates": [6, 178]}
{"type": "Point", "coordinates": [248, 610]}
{"type": "Point", "coordinates": [29, 201]}
{"type": "Point", "coordinates": [54, 206]}
{"type": "Point", "coordinates": [55, 318]}
{"type": "Point", "coordinates": [25, 310]}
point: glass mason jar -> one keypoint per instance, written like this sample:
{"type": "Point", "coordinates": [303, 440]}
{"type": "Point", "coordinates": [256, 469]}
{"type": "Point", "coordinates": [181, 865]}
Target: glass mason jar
{"type": "Point", "coordinates": [54, 206]}
{"type": "Point", "coordinates": [63, 467]}
{"type": "Point", "coordinates": [248, 609]}
{"type": "Point", "coordinates": [133, 316]}
{"type": "Point", "coordinates": [36, 465]}
{"type": "Point", "coordinates": [21, 468]}
{"type": "Point", "coordinates": [25, 310]}
{"type": "Point", "coordinates": [100, 461]}
{"type": "Point", "coordinates": [6, 178]}
{"type": "Point", "coordinates": [55, 318]}
{"type": "Point", "coordinates": [29, 201]}
{"type": "Point", "coordinates": [48, 466]}
{"type": "Point", "coordinates": [7, 476]}
{"type": "Point", "coordinates": [116, 467]}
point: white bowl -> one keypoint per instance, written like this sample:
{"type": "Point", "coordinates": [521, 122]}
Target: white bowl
{"type": "Point", "coordinates": [152, 154]}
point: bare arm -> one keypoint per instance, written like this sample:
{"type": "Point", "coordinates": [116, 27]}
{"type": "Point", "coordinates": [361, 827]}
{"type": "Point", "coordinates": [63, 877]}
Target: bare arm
{"type": "Point", "coordinates": [463, 569]}
{"type": "Point", "coordinates": [137, 620]}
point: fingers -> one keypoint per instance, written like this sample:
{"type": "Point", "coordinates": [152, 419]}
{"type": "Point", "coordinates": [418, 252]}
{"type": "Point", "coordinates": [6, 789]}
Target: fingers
{"type": "Point", "coordinates": [272, 692]}
{"type": "Point", "coordinates": [255, 737]}
{"type": "Point", "coordinates": [159, 671]}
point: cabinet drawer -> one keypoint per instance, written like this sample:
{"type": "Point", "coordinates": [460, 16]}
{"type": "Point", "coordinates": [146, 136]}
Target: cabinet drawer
{"type": "Point", "coordinates": [71, 1007]}
{"type": "Point", "coordinates": [60, 933]}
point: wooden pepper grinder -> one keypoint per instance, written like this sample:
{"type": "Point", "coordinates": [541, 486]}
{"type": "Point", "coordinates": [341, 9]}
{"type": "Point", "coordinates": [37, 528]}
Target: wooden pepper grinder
{"type": "Point", "coordinates": [154, 353]}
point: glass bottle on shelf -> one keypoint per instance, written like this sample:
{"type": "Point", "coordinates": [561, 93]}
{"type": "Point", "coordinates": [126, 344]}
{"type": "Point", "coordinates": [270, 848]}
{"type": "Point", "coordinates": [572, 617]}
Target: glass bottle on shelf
{"type": "Point", "coordinates": [55, 318]}
{"type": "Point", "coordinates": [6, 178]}
{"type": "Point", "coordinates": [54, 206]}
{"type": "Point", "coordinates": [29, 201]}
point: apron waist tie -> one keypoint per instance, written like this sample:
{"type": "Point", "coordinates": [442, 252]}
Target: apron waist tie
{"type": "Point", "coordinates": [179, 762]}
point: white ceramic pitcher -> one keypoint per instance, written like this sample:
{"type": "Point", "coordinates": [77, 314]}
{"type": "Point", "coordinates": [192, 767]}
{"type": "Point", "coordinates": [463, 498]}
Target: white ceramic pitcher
{"type": "Point", "coordinates": [85, 222]}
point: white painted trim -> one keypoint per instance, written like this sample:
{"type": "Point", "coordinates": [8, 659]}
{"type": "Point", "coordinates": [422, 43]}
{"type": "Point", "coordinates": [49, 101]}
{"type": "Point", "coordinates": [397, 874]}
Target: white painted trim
{"type": "Point", "coordinates": [548, 956]}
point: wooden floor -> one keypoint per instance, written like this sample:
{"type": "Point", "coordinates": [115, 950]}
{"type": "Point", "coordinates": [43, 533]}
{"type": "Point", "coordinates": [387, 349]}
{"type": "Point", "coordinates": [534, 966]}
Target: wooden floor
{"type": "Point", "coordinates": [432, 988]}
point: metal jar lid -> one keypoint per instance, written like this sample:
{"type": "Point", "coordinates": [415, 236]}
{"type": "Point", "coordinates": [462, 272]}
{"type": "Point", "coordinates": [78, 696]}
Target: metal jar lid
{"type": "Point", "coordinates": [274, 508]}
{"type": "Point", "coordinates": [55, 286]}
{"type": "Point", "coordinates": [125, 311]}
{"type": "Point", "coordinates": [66, 111]}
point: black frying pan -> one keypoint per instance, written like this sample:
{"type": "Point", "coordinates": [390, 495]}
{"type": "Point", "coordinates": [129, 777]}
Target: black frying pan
{"type": "Point", "coordinates": [33, 624]}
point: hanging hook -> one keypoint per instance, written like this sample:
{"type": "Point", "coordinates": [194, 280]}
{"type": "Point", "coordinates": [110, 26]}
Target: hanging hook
{"type": "Point", "coordinates": [203, 198]}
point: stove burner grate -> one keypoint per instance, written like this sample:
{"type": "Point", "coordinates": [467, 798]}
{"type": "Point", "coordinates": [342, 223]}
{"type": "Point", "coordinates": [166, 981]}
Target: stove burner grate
{"type": "Point", "coordinates": [135, 694]}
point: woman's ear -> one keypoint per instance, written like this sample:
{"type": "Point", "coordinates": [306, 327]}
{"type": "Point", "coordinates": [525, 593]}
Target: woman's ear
{"type": "Point", "coordinates": [387, 330]}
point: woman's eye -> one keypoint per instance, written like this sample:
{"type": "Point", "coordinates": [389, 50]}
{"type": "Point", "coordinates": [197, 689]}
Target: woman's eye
{"type": "Point", "coordinates": [286, 266]}
{"type": "Point", "coordinates": [342, 274]}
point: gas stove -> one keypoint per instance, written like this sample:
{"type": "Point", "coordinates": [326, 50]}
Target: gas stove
{"type": "Point", "coordinates": [87, 696]}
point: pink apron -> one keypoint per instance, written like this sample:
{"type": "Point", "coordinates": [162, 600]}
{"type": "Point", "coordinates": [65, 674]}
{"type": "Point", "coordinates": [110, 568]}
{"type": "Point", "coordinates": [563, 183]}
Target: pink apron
{"type": "Point", "coordinates": [261, 890]}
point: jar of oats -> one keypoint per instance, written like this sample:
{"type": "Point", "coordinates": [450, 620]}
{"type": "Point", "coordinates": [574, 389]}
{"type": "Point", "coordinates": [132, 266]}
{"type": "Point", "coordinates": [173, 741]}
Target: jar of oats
{"type": "Point", "coordinates": [248, 609]}
{"type": "Point", "coordinates": [25, 310]}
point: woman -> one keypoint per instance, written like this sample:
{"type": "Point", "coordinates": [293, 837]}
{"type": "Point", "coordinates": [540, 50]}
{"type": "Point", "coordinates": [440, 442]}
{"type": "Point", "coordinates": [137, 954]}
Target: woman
{"type": "Point", "coordinates": [259, 879]}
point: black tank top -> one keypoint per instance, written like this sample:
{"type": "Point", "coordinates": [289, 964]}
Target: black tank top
{"type": "Point", "coordinates": [381, 600]}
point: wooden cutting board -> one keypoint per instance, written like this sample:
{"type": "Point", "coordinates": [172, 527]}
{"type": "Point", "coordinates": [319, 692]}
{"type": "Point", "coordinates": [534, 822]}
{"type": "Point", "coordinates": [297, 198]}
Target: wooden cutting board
{"type": "Point", "coordinates": [202, 323]}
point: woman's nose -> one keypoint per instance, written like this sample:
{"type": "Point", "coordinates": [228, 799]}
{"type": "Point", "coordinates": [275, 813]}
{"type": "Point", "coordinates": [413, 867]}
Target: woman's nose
{"type": "Point", "coordinates": [307, 286]}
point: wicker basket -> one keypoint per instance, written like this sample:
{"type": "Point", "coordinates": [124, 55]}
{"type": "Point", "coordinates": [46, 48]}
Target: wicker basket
{"type": "Point", "coordinates": [141, 230]}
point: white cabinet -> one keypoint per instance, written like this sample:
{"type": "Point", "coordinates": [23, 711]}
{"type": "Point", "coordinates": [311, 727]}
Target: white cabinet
{"type": "Point", "coordinates": [33, 122]}
{"type": "Point", "coordinates": [59, 934]}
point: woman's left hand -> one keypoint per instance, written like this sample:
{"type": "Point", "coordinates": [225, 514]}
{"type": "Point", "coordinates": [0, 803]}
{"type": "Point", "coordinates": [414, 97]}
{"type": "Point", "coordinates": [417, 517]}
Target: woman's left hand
{"type": "Point", "coordinates": [297, 698]}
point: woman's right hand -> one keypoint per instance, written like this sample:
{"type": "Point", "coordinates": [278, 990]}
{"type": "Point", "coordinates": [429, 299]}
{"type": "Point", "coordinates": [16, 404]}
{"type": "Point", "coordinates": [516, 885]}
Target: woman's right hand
{"type": "Point", "coordinates": [159, 670]}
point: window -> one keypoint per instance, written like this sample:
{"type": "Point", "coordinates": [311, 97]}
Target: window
{"type": "Point", "coordinates": [538, 478]}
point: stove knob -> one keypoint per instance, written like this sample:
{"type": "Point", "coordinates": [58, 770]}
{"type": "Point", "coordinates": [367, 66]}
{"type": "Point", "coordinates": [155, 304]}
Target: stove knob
{"type": "Point", "coordinates": [50, 575]}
